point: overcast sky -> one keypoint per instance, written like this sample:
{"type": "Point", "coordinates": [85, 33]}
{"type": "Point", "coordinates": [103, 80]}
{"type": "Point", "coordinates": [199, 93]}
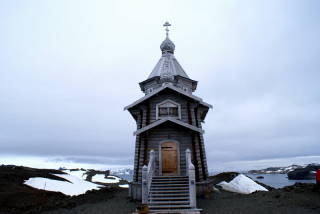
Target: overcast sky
{"type": "Point", "coordinates": [67, 69]}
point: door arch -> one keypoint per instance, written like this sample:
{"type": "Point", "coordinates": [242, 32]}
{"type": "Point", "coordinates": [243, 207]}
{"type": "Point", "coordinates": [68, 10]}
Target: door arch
{"type": "Point", "coordinates": [169, 158]}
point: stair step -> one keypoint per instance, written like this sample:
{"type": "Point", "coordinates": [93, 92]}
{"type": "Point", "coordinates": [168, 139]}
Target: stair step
{"type": "Point", "coordinates": [169, 191]}
{"type": "Point", "coordinates": [168, 198]}
{"type": "Point", "coordinates": [170, 177]}
{"type": "Point", "coordinates": [169, 185]}
{"type": "Point", "coordinates": [169, 203]}
{"type": "Point", "coordinates": [169, 194]}
{"type": "Point", "coordinates": [175, 211]}
{"type": "Point", "coordinates": [170, 207]}
{"type": "Point", "coordinates": [170, 182]}
{"type": "Point", "coordinates": [169, 188]}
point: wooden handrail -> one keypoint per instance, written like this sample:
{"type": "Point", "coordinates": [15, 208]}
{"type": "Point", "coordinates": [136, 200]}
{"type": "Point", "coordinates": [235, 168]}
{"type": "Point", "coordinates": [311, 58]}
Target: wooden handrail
{"type": "Point", "coordinates": [192, 181]}
{"type": "Point", "coordinates": [147, 174]}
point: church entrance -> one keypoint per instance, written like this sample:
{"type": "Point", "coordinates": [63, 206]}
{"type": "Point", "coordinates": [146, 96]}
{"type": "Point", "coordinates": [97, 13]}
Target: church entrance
{"type": "Point", "coordinates": [169, 158]}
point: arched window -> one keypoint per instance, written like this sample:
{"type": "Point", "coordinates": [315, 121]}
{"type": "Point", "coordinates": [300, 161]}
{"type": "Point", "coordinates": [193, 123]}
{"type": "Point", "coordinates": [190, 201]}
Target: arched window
{"type": "Point", "coordinates": [168, 108]}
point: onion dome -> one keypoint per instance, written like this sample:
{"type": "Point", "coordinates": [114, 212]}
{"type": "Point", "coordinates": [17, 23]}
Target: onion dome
{"type": "Point", "coordinates": [167, 46]}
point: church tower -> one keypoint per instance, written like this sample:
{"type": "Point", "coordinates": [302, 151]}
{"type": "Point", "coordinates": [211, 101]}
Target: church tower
{"type": "Point", "coordinates": [168, 119]}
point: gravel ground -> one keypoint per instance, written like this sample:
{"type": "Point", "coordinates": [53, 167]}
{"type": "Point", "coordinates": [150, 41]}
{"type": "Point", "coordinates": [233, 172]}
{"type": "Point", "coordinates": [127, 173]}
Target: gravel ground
{"type": "Point", "coordinates": [297, 199]}
{"type": "Point", "coordinates": [119, 203]}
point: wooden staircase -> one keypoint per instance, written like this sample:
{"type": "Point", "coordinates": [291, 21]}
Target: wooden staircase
{"type": "Point", "coordinates": [169, 194]}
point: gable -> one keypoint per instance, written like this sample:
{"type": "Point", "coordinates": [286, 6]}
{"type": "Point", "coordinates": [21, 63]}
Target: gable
{"type": "Point", "coordinates": [170, 87]}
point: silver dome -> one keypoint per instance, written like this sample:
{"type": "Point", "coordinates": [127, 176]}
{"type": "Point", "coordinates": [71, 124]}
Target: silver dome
{"type": "Point", "coordinates": [167, 46]}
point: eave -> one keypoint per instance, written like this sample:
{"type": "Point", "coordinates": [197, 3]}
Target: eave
{"type": "Point", "coordinates": [141, 84]}
{"type": "Point", "coordinates": [169, 119]}
{"type": "Point", "coordinates": [193, 82]}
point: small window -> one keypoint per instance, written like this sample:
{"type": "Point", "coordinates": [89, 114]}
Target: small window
{"type": "Point", "coordinates": [149, 90]}
{"type": "Point", "coordinates": [168, 109]}
{"type": "Point", "coordinates": [185, 89]}
{"type": "Point", "coordinates": [163, 111]}
{"type": "Point", "coordinates": [173, 111]}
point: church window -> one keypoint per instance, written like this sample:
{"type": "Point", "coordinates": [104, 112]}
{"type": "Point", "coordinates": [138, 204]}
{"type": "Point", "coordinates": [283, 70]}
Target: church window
{"type": "Point", "coordinates": [168, 108]}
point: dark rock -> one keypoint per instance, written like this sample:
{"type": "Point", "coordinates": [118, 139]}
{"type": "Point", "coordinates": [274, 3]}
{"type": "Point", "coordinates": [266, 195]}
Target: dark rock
{"type": "Point", "coordinates": [274, 170]}
{"type": "Point", "coordinates": [18, 198]}
{"type": "Point", "coordinates": [90, 173]}
{"type": "Point", "coordinates": [224, 176]}
{"type": "Point", "coordinates": [277, 195]}
{"type": "Point", "coordinates": [306, 173]}
{"type": "Point", "coordinates": [260, 177]}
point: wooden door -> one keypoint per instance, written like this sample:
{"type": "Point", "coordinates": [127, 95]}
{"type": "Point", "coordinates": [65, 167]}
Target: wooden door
{"type": "Point", "coordinates": [169, 158]}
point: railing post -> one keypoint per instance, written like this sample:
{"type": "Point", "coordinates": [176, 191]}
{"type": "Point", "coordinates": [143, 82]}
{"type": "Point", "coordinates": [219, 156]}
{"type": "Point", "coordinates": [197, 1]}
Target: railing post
{"type": "Point", "coordinates": [150, 169]}
{"type": "Point", "coordinates": [147, 173]}
{"type": "Point", "coordinates": [144, 184]}
{"type": "Point", "coordinates": [192, 186]}
{"type": "Point", "coordinates": [192, 180]}
{"type": "Point", "coordinates": [151, 158]}
{"type": "Point", "coordinates": [188, 160]}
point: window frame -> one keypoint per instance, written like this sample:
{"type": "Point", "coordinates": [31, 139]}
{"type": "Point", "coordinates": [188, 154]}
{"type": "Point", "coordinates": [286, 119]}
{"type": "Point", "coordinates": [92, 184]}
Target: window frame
{"type": "Point", "coordinates": [163, 102]}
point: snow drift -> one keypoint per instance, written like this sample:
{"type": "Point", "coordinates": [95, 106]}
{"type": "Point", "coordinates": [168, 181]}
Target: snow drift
{"type": "Point", "coordinates": [241, 184]}
{"type": "Point", "coordinates": [76, 186]}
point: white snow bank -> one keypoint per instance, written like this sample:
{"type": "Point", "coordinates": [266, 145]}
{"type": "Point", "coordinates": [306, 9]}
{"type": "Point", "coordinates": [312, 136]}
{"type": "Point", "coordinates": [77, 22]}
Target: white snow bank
{"type": "Point", "coordinates": [241, 184]}
{"type": "Point", "coordinates": [77, 173]}
{"type": "Point", "coordinates": [101, 178]}
{"type": "Point", "coordinates": [76, 187]}
{"type": "Point", "coordinates": [124, 185]}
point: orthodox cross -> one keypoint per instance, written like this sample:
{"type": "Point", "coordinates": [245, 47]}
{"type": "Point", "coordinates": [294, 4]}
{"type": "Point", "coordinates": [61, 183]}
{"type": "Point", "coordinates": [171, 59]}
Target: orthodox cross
{"type": "Point", "coordinates": [167, 25]}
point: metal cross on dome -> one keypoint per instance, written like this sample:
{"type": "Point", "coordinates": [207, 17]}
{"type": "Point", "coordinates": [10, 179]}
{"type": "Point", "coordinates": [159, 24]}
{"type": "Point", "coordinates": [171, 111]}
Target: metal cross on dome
{"type": "Point", "coordinates": [167, 25]}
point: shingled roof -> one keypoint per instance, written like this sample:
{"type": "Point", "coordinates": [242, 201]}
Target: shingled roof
{"type": "Point", "coordinates": [168, 66]}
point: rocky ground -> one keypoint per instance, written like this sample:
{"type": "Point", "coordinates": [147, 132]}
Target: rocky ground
{"type": "Point", "coordinates": [299, 198]}
{"type": "Point", "coordinates": [16, 198]}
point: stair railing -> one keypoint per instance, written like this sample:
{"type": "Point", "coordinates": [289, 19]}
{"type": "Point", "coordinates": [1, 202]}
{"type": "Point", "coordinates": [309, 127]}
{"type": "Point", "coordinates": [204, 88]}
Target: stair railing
{"type": "Point", "coordinates": [147, 174]}
{"type": "Point", "coordinates": [192, 180]}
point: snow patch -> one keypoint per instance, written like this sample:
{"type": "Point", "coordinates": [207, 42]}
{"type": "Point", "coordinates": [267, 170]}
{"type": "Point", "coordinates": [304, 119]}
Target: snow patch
{"type": "Point", "coordinates": [101, 178]}
{"type": "Point", "coordinates": [124, 185]}
{"type": "Point", "coordinates": [76, 187]}
{"type": "Point", "coordinates": [242, 184]}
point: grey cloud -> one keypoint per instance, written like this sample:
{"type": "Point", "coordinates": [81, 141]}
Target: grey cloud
{"type": "Point", "coordinates": [63, 84]}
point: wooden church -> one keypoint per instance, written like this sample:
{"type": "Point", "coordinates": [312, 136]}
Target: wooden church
{"type": "Point", "coordinates": [170, 155]}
